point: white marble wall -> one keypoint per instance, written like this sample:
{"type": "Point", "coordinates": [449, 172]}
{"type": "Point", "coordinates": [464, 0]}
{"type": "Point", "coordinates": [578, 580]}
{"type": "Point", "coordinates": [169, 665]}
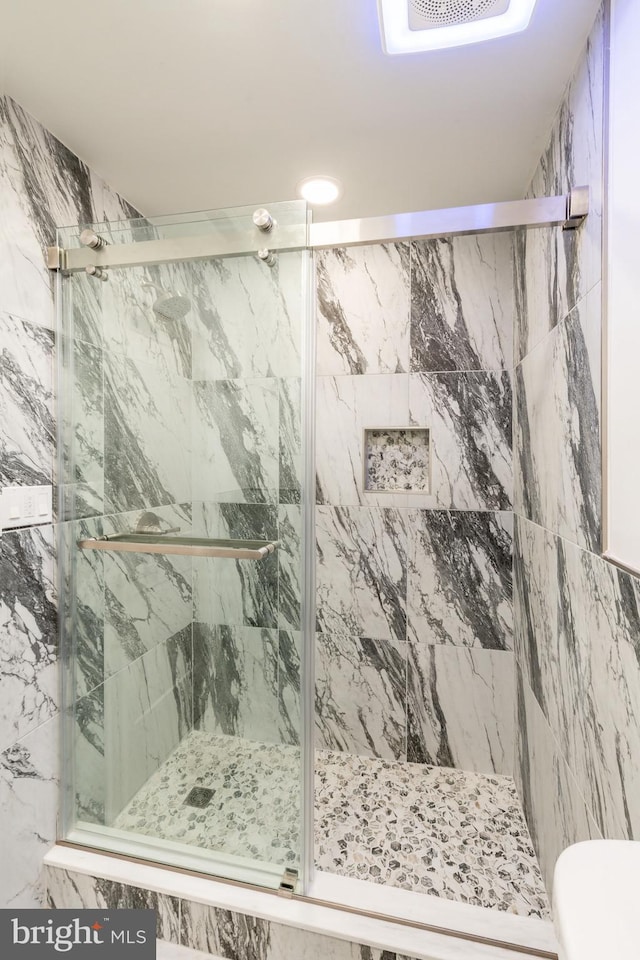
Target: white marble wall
{"type": "Point", "coordinates": [42, 185]}
{"type": "Point", "coordinates": [414, 647]}
{"type": "Point", "coordinates": [577, 618]}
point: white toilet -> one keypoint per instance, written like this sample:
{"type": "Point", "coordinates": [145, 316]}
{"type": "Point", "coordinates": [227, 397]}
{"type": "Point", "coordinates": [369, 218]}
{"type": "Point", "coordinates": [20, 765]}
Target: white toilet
{"type": "Point", "coordinates": [596, 900]}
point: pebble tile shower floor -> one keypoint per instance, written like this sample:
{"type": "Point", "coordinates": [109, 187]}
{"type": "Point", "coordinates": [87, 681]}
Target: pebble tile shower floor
{"type": "Point", "coordinates": [433, 830]}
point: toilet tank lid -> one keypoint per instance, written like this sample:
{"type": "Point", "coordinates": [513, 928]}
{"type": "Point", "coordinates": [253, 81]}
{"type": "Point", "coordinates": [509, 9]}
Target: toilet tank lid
{"type": "Point", "coordinates": [596, 890]}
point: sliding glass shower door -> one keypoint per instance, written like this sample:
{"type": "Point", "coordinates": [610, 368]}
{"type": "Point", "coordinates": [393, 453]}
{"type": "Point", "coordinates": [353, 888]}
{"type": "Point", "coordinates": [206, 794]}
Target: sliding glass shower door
{"type": "Point", "coordinates": [182, 493]}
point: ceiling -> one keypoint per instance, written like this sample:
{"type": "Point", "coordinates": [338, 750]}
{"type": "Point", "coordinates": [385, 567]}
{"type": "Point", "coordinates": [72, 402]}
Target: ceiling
{"type": "Point", "coordinates": [198, 104]}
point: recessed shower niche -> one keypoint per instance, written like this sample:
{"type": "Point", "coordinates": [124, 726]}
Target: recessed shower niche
{"type": "Point", "coordinates": [397, 459]}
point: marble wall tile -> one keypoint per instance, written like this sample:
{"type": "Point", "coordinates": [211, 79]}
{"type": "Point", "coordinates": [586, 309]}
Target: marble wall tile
{"type": "Point", "coordinates": [235, 441]}
{"type": "Point", "coordinates": [237, 935]}
{"type": "Point", "coordinates": [462, 303]}
{"type": "Point", "coordinates": [556, 268]}
{"type": "Point", "coordinates": [82, 607]}
{"type": "Point", "coordinates": [290, 441]}
{"type": "Point", "coordinates": [42, 185]}
{"type": "Point", "coordinates": [236, 592]}
{"type": "Point", "coordinates": [535, 607]}
{"type": "Point", "coordinates": [148, 709]}
{"type": "Point", "coordinates": [290, 568]}
{"type": "Point", "coordinates": [28, 634]}
{"type": "Point", "coordinates": [554, 807]}
{"type": "Point", "coordinates": [557, 436]}
{"type": "Point", "coordinates": [89, 762]}
{"type": "Point", "coordinates": [346, 406]}
{"type": "Point", "coordinates": [470, 419]}
{"type": "Point", "coordinates": [289, 685]}
{"type": "Point", "coordinates": [68, 890]}
{"type": "Point", "coordinates": [29, 777]}
{"type": "Point", "coordinates": [26, 402]}
{"type": "Point", "coordinates": [236, 681]}
{"type": "Point", "coordinates": [363, 309]}
{"type": "Point", "coordinates": [599, 679]}
{"type": "Point", "coordinates": [459, 588]}
{"type": "Point", "coordinates": [84, 450]}
{"type": "Point", "coordinates": [130, 326]}
{"type": "Point", "coordinates": [247, 318]}
{"type": "Point", "coordinates": [361, 572]}
{"type": "Point", "coordinates": [460, 705]}
{"type": "Point", "coordinates": [147, 436]}
{"type": "Point", "coordinates": [147, 599]}
{"type": "Point", "coordinates": [361, 689]}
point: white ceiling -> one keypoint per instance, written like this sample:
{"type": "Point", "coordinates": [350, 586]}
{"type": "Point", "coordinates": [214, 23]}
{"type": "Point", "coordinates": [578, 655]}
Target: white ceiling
{"type": "Point", "coordinates": [198, 104]}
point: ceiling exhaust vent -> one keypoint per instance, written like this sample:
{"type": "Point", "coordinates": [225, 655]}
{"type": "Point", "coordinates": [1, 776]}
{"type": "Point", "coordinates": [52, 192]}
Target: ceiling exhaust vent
{"type": "Point", "coordinates": [412, 26]}
{"type": "Point", "coordinates": [428, 14]}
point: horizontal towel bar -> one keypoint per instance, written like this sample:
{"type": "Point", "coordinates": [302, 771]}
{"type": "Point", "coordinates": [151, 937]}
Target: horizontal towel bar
{"type": "Point", "coordinates": [181, 546]}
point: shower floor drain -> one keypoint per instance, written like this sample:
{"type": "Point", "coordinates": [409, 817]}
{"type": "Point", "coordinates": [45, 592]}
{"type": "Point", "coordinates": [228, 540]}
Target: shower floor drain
{"type": "Point", "coordinates": [199, 797]}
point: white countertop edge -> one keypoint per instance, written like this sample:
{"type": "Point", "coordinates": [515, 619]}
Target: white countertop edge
{"type": "Point", "coordinates": [380, 934]}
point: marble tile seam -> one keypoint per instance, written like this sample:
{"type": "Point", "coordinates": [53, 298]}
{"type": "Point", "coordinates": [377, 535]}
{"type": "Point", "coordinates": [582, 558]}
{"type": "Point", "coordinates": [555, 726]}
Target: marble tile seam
{"type": "Point", "coordinates": [575, 546]}
{"type": "Point", "coordinates": [556, 327]}
{"type": "Point", "coordinates": [571, 775]}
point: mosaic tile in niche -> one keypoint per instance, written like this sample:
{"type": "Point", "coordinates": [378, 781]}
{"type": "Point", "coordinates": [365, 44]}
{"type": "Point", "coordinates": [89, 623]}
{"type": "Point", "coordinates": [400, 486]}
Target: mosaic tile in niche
{"type": "Point", "coordinates": [397, 459]}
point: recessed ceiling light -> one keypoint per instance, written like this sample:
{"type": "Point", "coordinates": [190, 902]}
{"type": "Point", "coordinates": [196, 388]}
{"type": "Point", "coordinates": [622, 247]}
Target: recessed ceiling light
{"type": "Point", "coordinates": [319, 190]}
{"type": "Point", "coordinates": [412, 26]}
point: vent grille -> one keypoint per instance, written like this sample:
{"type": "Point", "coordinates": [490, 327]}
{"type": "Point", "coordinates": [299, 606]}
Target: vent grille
{"type": "Point", "coordinates": [447, 13]}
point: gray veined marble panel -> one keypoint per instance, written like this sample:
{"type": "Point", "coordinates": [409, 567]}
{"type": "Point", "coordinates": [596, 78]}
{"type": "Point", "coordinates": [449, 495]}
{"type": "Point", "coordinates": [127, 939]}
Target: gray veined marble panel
{"type": "Point", "coordinates": [363, 309]}
{"type": "Point", "coordinates": [599, 626]}
{"type": "Point", "coordinates": [28, 633]}
{"type": "Point", "coordinates": [361, 696]}
{"type": "Point", "coordinates": [556, 812]}
{"type": "Point", "coordinates": [289, 683]}
{"type": "Point", "coordinates": [84, 433]}
{"type": "Point", "coordinates": [346, 406]}
{"type": "Point", "coordinates": [535, 602]}
{"type": "Point", "coordinates": [238, 936]}
{"type": "Point", "coordinates": [236, 592]}
{"type": "Point", "coordinates": [130, 327]}
{"type": "Point", "coordinates": [361, 572]}
{"type": "Point", "coordinates": [236, 681]}
{"type": "Point", "coordinates": [26, 402]}
{"type": "Point", "coordinates": [247, 318]}
{"type": "Point", "coordinates": [462, 303]}
{"type": "Point", "coordinates": [90, 778]}
{"type": "Point", "coordinates": [83, 609]}
{"type": "Point", "coordinates": [290, 441]}
{"type": "Point", "coordinates": [147, 436]}
{"type": "Point", "coordinates": [68, 890]}
{"type": "Point", "coordinates": [470, 419]}
{"type": "Point", "coordinates": [29, 801]}
{"type": "Point", "coordinates": [459, 582]}
{"type": "Point", "coordinates": [147, 598]}
{"type": "Point", "coordinates": [290, 570]}
{"type": "Point", "coordinates": [556, 268]}
{"type": "Point", "coordinates": [558, 451]}
{"type": "Point", "coordinates": [148, 708]}
{"type": "Point", "coordinates": [42, 185]}
{"type": "Point", "coordinates": [460, 707]}
{"type": "Point", "coordinates": [235, 441]}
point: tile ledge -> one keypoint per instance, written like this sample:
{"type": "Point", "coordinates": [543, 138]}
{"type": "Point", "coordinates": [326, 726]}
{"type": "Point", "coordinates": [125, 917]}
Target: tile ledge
{"type": "Point", "coordinates": [326, 921]}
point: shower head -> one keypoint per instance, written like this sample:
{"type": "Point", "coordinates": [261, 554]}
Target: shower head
{"type": "Point", "coordinates": [169, 305]}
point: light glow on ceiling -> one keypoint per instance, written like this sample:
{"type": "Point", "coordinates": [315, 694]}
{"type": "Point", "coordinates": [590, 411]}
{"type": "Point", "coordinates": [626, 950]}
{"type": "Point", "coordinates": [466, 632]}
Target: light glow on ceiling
{"type": "Point", "coordinates": [319, 190]}
{"type": "Point", "coordinates": [397, 37]}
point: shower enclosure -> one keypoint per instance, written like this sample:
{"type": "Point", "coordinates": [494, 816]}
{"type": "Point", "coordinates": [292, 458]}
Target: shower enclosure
{"type": "Point", "coordinates": [189, 541]}
{"type": "Point", "coordinates": [184, 490]}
